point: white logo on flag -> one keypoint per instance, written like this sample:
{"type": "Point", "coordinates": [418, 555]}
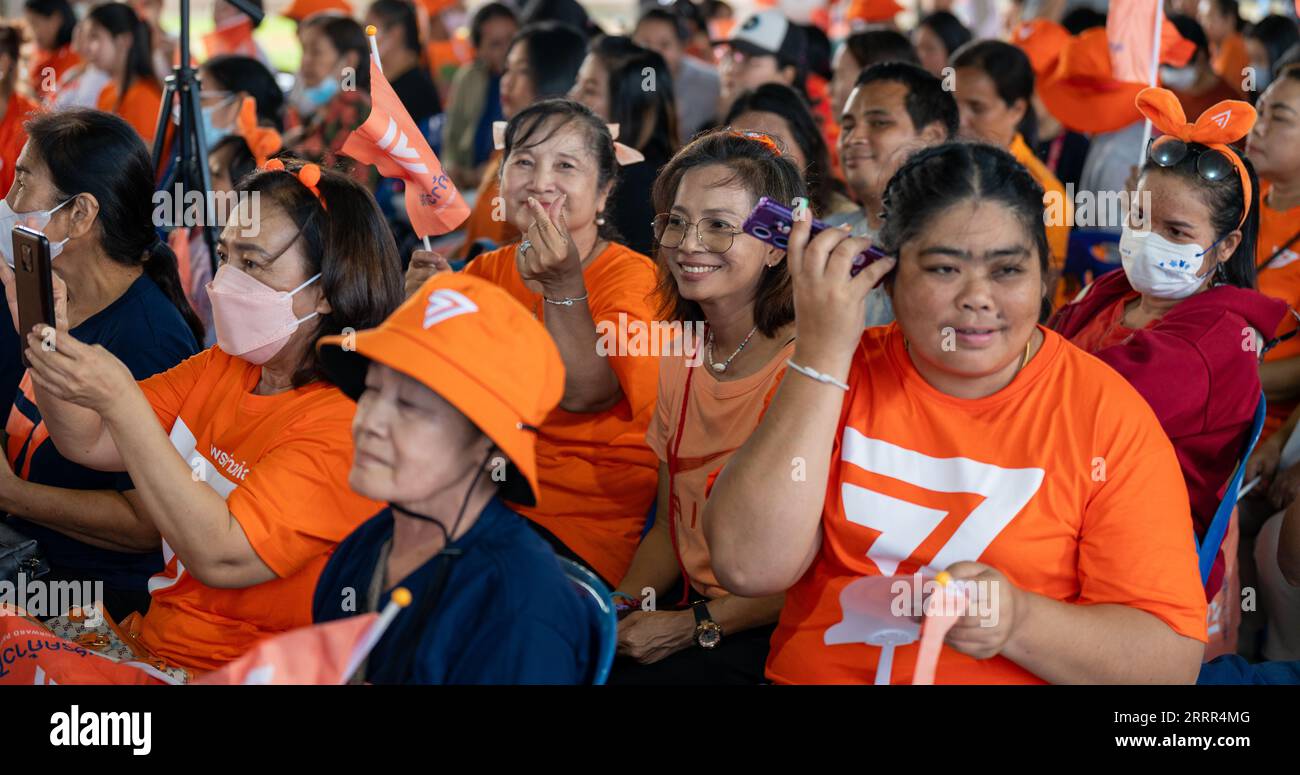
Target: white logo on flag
{"type": "Point", "coordinates": [445, 304]}
{"type": "Point", "coordinates": [1221, 118]}
{"type": "Point", "coordinates": [394, 142]}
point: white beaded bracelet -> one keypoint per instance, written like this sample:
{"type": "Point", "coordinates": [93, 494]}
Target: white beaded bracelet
{"type": "Point", "coordinates": [569, 302]}
{"type": "Point", "coordinates": [817, 375]}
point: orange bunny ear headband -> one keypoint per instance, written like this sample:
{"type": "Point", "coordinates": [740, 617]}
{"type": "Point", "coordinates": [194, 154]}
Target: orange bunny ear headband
{"type": "Point", "coordinates": [1223, 123]}
{"type": "Point", "coordinates": [307, 174]}
{"type": "Point", "coordinates": [262, 141]}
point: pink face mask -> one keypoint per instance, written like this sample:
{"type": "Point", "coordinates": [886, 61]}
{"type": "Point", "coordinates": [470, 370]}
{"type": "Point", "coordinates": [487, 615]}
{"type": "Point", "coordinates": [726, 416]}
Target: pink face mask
{"type": "Point", "coordinates": [253, 320]}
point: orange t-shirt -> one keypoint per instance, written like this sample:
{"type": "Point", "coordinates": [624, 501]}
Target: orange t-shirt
{"type": "Point", "coordinates": [1229, 59]}
{"type": "Point", "coordinates": [481, 224]}
{"type": "Point", "coordinates": [12, 136]}
{"type": "Point", "coordinates": [48, 69]}
{"type": "Point", "coordinates": [1076, 503]}
{"type": "Point", "coordinates": [139, 107]}
{"type": "Point", "coordinates": [1058, 232]}
{"type": "Point", "coordinates": [597, 474]}
{"type": "Point", "coordinates": [719, 417]}
{"type": "Point", "coordinates": [1281, 280]}
{"type": "Point", "coordinates": [281, 462]}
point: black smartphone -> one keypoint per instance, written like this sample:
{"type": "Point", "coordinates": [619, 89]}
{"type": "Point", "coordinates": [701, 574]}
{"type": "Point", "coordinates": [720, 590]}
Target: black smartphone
{"type": "Point", "coordinates": [34, 279]}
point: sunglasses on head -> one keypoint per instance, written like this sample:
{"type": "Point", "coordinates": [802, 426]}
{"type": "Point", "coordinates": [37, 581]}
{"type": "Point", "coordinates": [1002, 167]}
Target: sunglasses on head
{"type": "Point", "coordinates": [1211, 164]}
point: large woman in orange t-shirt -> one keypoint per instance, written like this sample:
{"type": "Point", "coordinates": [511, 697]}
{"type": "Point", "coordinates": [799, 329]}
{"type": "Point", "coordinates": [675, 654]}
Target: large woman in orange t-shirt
{"type": "Point", "coordinates": [962, 438]}
{"type": "Point", "coordinates": [593, 295]}
{"type": "Point", "coordinates": [711, 275]}
{"type": "Point", "coordinates": [240, 454]}
{"type": "Point", "coordinates": [118, 43]}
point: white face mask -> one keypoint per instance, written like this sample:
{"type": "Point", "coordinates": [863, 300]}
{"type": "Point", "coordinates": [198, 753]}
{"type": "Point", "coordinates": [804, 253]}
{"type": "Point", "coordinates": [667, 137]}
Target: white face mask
{"type": "Point", "coordinates": [33, 219]}
{"type": "Point", "coordinates": [1161, 268]}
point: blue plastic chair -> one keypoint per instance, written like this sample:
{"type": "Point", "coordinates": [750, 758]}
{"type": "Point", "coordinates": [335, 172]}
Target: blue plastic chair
{"type": "Point", "coordinates": [595, 593]}
{"type": "Point", "coordinates": [1080, 262]}
{"type": "Point", "coordinates": [1209, 548]}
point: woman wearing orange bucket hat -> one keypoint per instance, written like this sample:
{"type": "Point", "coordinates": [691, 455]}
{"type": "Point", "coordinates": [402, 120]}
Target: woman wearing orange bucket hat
{"type": "Point", "coordinates": [443, 397]}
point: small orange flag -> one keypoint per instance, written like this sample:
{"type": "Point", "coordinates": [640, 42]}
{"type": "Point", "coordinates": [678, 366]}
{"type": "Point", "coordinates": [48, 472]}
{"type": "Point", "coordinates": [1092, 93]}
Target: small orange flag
{"type": "Point", "coordinates": [390, 140]}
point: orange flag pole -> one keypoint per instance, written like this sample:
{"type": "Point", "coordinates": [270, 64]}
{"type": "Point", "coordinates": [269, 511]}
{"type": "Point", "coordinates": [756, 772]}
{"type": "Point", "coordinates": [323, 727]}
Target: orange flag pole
{"type": "Point", "coordinates": [401, 598]}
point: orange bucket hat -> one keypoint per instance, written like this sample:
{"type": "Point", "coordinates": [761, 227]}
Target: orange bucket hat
{"type": "Point", "coordinates": [470, 342]}
{"type": "Point", "coordinates": [1082, 92]}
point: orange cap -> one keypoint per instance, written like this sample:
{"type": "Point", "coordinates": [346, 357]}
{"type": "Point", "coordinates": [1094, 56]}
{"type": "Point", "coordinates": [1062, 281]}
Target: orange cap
{"type": "Point", "coordinates": [1042, 41]}
{"type": "Point", "coordinates": [872, 11]}
{"type": "Point", "coordinates": [470, 342]}
{"type": "Point", "coordinates": [301, 9]}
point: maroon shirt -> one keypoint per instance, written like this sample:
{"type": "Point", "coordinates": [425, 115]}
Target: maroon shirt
{"type": "Point", "coordinates": [1197, 368]}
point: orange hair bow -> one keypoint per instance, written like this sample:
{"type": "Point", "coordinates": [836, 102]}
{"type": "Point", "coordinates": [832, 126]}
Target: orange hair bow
{"type": "Point", "coordinates": [1224, 122]}
{"type": "Point", "coordinates": [758, 137]}
{"type": "Point", "coordinates": [262, 141]}
{"type": "Point", "coordinates": [307, 174]}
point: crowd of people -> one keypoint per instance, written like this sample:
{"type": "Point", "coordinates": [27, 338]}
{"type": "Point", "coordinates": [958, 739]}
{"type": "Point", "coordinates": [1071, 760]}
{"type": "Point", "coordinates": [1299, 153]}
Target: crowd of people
{"type": "Point", "coordinates": [278, 422]}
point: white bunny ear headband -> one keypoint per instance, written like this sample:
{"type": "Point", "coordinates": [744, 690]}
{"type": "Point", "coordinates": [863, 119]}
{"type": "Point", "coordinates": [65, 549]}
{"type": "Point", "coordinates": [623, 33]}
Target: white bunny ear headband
{"type": "Point", "coordinates": [624, 154]}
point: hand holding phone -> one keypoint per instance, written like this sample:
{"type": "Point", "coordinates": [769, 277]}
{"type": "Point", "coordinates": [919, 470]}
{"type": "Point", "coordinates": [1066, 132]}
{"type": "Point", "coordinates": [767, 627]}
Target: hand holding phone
{"type": "Point", "coordinates": [33, 280]}
{"type": "Point", "coordinates": [771, 221]}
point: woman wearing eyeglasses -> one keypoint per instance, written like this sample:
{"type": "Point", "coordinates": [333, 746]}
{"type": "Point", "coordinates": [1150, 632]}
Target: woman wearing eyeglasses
{"type": "Point", "coordinates": [710, 399]}
{"type": "Point", "coordinates": [1181, 321]}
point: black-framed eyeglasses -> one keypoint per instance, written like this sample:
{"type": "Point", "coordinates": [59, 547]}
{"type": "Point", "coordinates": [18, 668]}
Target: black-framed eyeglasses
{"type": "Point", "coordinates": [715, 234]}
{"type": "Point", "coordinates": [1211, 164]}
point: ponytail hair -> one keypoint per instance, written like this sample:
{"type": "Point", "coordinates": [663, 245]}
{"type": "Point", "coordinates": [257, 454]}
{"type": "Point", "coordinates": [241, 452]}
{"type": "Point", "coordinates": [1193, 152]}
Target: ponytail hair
{"type": "Point", "coordinates": [92, 152]}
{"type": "Point", "coordinates": [117, 19]}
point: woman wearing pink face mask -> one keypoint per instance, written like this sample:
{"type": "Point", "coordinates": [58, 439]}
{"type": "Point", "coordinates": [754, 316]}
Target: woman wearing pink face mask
{"type": "Point", "coordinates": [239, 454]}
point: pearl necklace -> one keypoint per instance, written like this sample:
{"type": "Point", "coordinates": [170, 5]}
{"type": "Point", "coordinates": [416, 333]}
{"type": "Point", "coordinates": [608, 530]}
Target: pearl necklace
{"type": "Point", "coordinates": [721, 367]}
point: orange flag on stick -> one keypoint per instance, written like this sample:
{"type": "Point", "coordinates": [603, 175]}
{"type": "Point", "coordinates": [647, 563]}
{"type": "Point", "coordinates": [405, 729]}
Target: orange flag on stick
{"type": "Point", "coordinates": [1131, 29]}
{"type": "Point", "coordinates": [321, 654]}
{"type": "Point", "coordinates": [390, 140]}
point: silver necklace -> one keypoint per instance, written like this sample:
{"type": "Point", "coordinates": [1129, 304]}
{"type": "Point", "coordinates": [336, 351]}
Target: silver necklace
{"type": "Point", "coordinates": [721, 367]}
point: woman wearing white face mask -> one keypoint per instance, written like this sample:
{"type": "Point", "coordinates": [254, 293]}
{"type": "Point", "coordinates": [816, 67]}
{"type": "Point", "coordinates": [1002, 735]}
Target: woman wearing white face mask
{"type": "Point", "coordinates": [1178, 321]}
{"type": "Point", "coordinates": [238, 454]}
{"type": "Point", "coordinates": [80, 171]}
